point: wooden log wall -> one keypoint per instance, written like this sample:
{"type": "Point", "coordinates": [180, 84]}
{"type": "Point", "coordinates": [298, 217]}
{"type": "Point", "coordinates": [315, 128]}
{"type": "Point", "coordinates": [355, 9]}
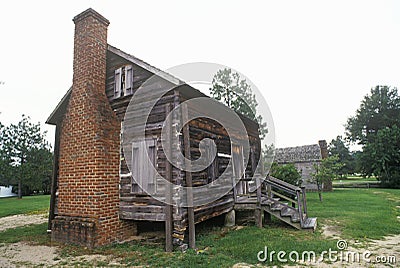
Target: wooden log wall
{"type": "Point", "coordinates": [201, 128]}
{"type": "Point", "coordinates": [141, 206]}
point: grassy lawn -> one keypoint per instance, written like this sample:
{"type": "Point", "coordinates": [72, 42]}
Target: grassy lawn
{"type": "Point", "coordinates": [343, 181]}
{"type": "Point", "coordinates": [360, 214]}
{"type": "Point", "coordinates": [28, 204]}
{"type": "Point", "coordinates": [353, 179]}
{"type": "Point", "coordinates": [36, 233]}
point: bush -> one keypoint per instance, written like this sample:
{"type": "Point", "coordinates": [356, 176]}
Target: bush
{"type": "Point", "coordinates": [287, 173]}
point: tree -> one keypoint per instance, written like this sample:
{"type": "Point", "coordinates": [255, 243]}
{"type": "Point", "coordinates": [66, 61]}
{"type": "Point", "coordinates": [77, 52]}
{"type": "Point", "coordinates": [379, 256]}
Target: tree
{"type": "Point", "coordinates": [229, 88]}
{"type": "Point", "coordinates": [377, 118]}
{"type": "Point", "coordinates": [378, 110]}
{"type": "Point", "coordinates": [25, 145]}
{"type": "Point", "coordinates": [357, 161]}
{"type": "Point", "coordinates": [39, 168]}
{"type": "Point", "coordinates": [325, 172]}
{"type": "Point", "coordinates": [338, 147]}
{"type": "Point", "coordinates": [287, 173]}
{"type": "Point", "coordinates": [384, 156]}
{"type": "Point", "coordinates": [5, 161]}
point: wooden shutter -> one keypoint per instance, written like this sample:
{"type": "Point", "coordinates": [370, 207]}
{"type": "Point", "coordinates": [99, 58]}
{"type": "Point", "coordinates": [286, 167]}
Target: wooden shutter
{"type": "Point", "coordinates": [238, 167]}
{"type": "Point", "coordinates": [128, 80]}
{"type": "Point", "coordinates": [117, 83]}
{"type": "Point", "coordinates": [143, 157]}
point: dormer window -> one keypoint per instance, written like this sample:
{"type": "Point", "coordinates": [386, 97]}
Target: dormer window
{"type": "Point", "coordinates": [123, 81]}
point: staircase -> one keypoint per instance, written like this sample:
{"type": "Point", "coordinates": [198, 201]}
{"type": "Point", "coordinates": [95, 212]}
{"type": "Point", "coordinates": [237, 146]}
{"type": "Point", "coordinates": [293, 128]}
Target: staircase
{"type": "Point", "coordinates": [280, 199]}
{"type": "Point", "coordinates": [287, 203]}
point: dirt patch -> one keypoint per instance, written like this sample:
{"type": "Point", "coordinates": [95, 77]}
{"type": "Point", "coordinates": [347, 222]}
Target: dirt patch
{"type": "Point", "coordinates": [21, 220]}
{"type": "Point", "coordinates": [331, 231]}
{"type": "Point", "coordinates": [26, 255]}
{"type": "Point", "coordinates": [383, 253]}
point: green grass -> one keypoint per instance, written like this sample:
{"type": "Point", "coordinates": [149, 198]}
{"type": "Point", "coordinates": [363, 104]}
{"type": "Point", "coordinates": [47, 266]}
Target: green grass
{"type": "Point", "coordinates": [27, 205]}
{"type": "Point", "coordinates": [357, 177]}
{"type": "Point", "coordinates": [360, 214]}
{"type": "Point", "coordinates": [220, 247]}
{"type": "Point", "coordinates": [354, 180]}
{"type": "Point", "coordinates": [34, 232]}
{"type": "Point", "coordinates": [338, 182]}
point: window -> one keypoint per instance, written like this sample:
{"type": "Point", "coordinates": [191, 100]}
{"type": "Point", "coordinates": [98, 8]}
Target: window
{"type": "Point", "coordinates": [143, 160]}
{"type": "Point", "coordinates": [123, 81]}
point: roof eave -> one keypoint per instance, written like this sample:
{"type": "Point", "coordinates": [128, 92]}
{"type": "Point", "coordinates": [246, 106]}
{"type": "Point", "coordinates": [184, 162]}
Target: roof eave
{"type": "Point", "coordinates": [59, 111]}
{"type": "Point", "coordinates": [146, 66]}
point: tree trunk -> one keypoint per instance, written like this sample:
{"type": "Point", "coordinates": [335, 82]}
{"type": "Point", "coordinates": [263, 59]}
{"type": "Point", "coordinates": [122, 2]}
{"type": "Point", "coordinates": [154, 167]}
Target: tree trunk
{"type": "Point", "coordinates": [319, 191]}
{"type": "Point", "coordinates": [20, 177]}
{"type": "Point", "coordinates": [19, 189]}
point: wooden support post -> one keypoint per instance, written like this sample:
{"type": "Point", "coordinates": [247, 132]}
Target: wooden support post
{"type": "Point", "coordinates": [257, 213]}
{"type": "Point", "coordinates": [168, 190]}
{"type": "Point", "coordinates": [189, 185]}
{"type": "Point", "coordinates": [54, 178]}
{"type": "Point", "coordinates": [269, 191]}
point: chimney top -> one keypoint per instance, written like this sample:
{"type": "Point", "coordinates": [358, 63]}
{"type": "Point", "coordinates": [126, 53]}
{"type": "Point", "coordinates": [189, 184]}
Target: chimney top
{"type": "Point", "coordinates": [91, 13]}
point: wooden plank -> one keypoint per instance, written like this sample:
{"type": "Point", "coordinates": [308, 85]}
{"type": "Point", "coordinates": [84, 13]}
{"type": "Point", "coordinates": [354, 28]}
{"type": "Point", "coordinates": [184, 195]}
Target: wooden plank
{"type": "Point", "coordinates": [140, 216]}
{"type": "Point", "coordinates": [143, 208]}
{"type": "Point", "coordinates": [186, 141]}
{"type": "Point", "coordinates": [168, 190]}
{"type": "Point", "coordinates": [284, 197]}
{"type": "Point", "coordinates": [283, 184]}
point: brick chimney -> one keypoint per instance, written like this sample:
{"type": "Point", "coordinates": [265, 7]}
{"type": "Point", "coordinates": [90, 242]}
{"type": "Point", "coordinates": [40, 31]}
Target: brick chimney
{"type": "Point", "coordinates": [88, 199]}
{"type": "Point", "coordinates": [327, 186]}
{"type": "Point", "coordinates": [324, 148]}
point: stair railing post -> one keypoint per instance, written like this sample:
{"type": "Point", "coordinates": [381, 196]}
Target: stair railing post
{"type": "Point", "coordinates": [300, 208]}
{"type": "Point", "coordinates": [269, 193]}
{"type": "Point", "coordinates": [303, 191]}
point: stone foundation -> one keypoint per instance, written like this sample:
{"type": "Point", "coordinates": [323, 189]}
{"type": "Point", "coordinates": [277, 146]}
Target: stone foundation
{"type": "Point", "coordinates": [74, 230]}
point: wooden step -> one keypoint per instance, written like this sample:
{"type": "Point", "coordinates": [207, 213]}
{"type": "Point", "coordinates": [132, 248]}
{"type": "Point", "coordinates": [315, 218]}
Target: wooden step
{"type": "Point", "coordinates": [267, 202]}
{"type": "Point", "coordinates": [310, 223]}
{"type": "Point", "coordinates": [277, 207]}
{"type": "Point", "coordinates": [288, 212]}
{"type": "Point", "coordinates": [292, 213]}
{"type": "Point", "coordinates": [295, 218]}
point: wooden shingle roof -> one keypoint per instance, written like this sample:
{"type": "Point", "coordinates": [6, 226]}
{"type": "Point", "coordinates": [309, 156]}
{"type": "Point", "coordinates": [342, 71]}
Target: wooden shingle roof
{"type": "Point", "coordinates": [298, 154]}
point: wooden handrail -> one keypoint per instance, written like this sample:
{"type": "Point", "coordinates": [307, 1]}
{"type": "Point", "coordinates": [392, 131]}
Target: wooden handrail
{"type": "Point", "coordinates": [297, 192]}
{"type": "Point", "coordinates": [283, 184]}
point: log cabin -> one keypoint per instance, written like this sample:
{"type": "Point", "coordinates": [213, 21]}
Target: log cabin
{"type": "Point", "coordinates": [101, 188]}
{"type": "Point", "coordinates": [135, 145]}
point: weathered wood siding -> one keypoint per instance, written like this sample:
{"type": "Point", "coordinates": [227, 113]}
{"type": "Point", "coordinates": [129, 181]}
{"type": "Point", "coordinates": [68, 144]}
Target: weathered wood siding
{"type": "Point", "coordinates": [140, 206]}
{"type": "Point", "coordinates": [201, 128]}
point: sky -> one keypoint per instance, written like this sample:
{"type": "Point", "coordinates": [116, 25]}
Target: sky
{"type": "Point", "coordinates": [313, 61]}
